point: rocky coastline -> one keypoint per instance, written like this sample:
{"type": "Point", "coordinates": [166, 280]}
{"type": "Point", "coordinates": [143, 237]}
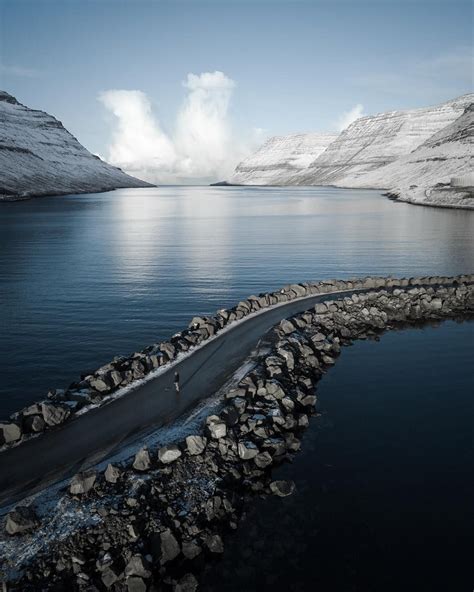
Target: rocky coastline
{"type": "Point", "coordinates": [155, 521]}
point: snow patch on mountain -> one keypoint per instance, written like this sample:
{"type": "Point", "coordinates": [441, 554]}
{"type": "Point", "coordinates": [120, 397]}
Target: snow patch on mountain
{"type": "Point", "coordinates": [38, 156]}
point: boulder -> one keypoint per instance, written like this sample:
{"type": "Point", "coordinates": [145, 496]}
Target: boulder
{"type": "Point", "coordinates": [168, 454]}
{"type": "Point", "coordinates": [214, 543]}
{"type": "Point", "coordinates": [191, 549]}
{"type": "Point", "coordinates": [135, 584]}
{"type": "Point", "coordinates": [195, 444]}
{"type": "Point", "coordinates": [138, 566]}
{"type": "Point", "coordinates": [142, 460]}
{"type": "Point", "coordinates": [263, 460]}
{"type": "Point", "coordinates": [282, 488]}
{"type": "Point", "coordinates": [54, 415]}
{"type": "Point", "coordinates": [22, 519]}
{"type": "Point", "coordinates": [216, 428]}
{"type": "Point", "coordinates": [100, 384]}
{"type": "Point", "coordinates": [187, 583]}
{"type": "Point", "coordinates": [9, 432]}
{"type": "Point", "coordinates": [169, 546]}
{"type": "Point", "coordinates": [247, 450]}
{"type": "Point", "coordinates": [34, 423]}
{"type": "Point", "coordinates": [287, 327]}
{"type": "Point", "coordinates": [112, 473]}
{"type": "Point", "coordinates": [82, 483]}
{"type": "Point", "coordinates": [34, 409]}
{"type": "Point", "coordinates": [109, 577]}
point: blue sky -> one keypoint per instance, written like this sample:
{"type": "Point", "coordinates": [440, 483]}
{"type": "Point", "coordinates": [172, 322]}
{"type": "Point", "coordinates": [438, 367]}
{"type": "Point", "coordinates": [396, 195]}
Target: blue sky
{"type": "Point", "coordinates": [297, 65]}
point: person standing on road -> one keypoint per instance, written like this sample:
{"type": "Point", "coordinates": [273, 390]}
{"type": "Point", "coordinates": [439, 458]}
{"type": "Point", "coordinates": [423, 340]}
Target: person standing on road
{"type": "Point", "coordinates": [176, 381]}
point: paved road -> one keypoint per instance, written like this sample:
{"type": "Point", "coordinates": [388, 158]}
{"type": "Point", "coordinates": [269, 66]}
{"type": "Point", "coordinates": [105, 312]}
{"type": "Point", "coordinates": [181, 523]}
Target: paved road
{"type": "Point", "coordinates": [98, 433]}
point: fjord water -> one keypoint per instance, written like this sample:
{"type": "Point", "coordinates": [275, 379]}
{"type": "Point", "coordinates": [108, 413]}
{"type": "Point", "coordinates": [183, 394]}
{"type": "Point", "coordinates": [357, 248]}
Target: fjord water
{"type": "Point", "coordinates": [86, 277]}
{"type": "Point", "coordinates": [384, 479]}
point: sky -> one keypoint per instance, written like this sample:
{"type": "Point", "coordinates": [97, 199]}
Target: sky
{"type": "Point", "coordinates": [182, 90]}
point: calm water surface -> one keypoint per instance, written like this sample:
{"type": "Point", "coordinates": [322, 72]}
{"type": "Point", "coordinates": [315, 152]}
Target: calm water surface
{"type": "Point", "coordinates": [385, 479]}
{"type": "Point", "coordinates": [84, 278]}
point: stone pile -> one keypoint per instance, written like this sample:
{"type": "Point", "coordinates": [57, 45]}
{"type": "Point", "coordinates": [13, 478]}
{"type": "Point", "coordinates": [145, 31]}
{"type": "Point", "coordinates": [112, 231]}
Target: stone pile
{"type": "Point", "coordinates": [122, 371]}
{"type": "Point", "coordinates": [162, 517]}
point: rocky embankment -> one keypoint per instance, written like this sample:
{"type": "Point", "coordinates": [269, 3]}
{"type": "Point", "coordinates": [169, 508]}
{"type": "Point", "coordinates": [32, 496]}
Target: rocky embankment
{"type": "Point", "coordinates": [155, 522]}
{"type": "Point", "coordinates": [126, 372]}
{"type": "Point", "coordinates": [38, 156]}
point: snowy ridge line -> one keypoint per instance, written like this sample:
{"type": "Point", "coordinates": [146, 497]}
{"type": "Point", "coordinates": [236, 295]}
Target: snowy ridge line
{"type": "Point", "coordinates": [126, 374]}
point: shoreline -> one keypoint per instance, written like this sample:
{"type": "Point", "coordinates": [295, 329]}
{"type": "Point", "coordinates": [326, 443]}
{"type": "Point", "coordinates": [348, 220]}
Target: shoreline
{"type": "Point", "coordinates": [214, 474]}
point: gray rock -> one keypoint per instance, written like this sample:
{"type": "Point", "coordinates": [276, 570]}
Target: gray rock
{"type": "Point", "coordinates": [22, 519]}
{"type": "Point", "coordinates": [54, 415]}
{"type": "Point", "coordinates": [195, 444]}
{"type": "Point", "coordinates": [216, 427]}
{"type": "Point", "coordinates": [100, 384]}
{"type": "Point", "coordinates": [34, 409]}
{"type": "Point", "coordinates": [9, 432]}
{"type": "Point", "coordinates": [142, 460]}
{"type": "Point", "coordinates": [187, 583]}
{"type": "Point", "coordinates": [109, 577]}
{"type": "Point", "coordinates": [168, 454]}
{"type": "Point", "coordinates": [138, 566]}
{"type": "Point", "coordinates": [135, 584]}
{"type": "Point", "coordinates": [214, 543]}
{"type": "Point", "coordinates": [112, 473]}
{"type": "Point", "coordinates": [82, 483]}
{"type": "Point", "coordinates": [34, 423]}
{"type": "Point", "coordinates": [287, 327]}
{"type": "Point", "coordinates": [191, 549]}
{"type": "Point", "coordinates": [247, 450]}
{"type": "Point", "coordinates": [263, 460]}
{"type": "Point", "coordinates": [282, 488]}
{"type": "Point", "coordinates": [169, 546]}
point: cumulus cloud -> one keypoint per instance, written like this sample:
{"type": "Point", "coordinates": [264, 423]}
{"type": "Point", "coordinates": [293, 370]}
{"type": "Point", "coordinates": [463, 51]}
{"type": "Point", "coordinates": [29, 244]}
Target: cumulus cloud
{"type": "Point", "coordinates": [138, 142]}
{"type": "Point", "coordinates": [349, 116]}
{"type": "Point", "coordinates": [203, 144]}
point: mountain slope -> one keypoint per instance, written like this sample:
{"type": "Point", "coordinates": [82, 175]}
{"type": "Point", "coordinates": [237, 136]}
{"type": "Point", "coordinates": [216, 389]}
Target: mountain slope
{"type": "Point", "coordinates": [280, 158]}
{"type": "Point", "coordinates": [439, 172]}
{"type": "Point", "coordinates": [38, 156]}
{"type": "Point", "coordinates": [375, 141]}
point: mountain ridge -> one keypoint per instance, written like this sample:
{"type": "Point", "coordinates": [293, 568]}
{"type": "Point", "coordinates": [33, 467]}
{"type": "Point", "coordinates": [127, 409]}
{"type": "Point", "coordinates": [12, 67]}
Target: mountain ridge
{"type": "Point", "coordinates": [39, 156]}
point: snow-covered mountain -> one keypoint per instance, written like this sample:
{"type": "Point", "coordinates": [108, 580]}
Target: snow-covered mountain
{"type": "Point", "coordinates": [280, 158]}
{"type": "Point", "coordinates": [38, 156]}
{"type": "Point", "coordinates": [375, 141]}
{"type": "Point", "coordinates": [407, 152]}
{"type": "Point", "coordinates": [439, 172]}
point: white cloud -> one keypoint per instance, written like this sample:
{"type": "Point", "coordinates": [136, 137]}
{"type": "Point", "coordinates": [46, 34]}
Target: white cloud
{"type": "Point", "coordinates": [203, 145]}
{"type": "Point", "coordinates": [350, 116]}
{"type": "Point", "coordinates": [138, 141]}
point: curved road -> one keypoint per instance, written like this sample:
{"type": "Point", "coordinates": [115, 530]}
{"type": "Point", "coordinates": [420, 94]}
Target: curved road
{"type": "Point", "coordinates": [94, 436]}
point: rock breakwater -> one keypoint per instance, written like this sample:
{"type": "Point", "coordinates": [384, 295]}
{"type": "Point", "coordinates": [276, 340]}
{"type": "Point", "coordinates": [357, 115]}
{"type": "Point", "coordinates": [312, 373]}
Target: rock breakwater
{"type": "Point", "coordinates": [161, 517]}
{"type": "Point", "coordinates": [124, 373]}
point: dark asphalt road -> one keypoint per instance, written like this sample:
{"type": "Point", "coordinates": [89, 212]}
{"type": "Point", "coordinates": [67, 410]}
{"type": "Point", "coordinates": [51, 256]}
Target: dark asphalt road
{"type": "Point", "coordinates": [93, 436]}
